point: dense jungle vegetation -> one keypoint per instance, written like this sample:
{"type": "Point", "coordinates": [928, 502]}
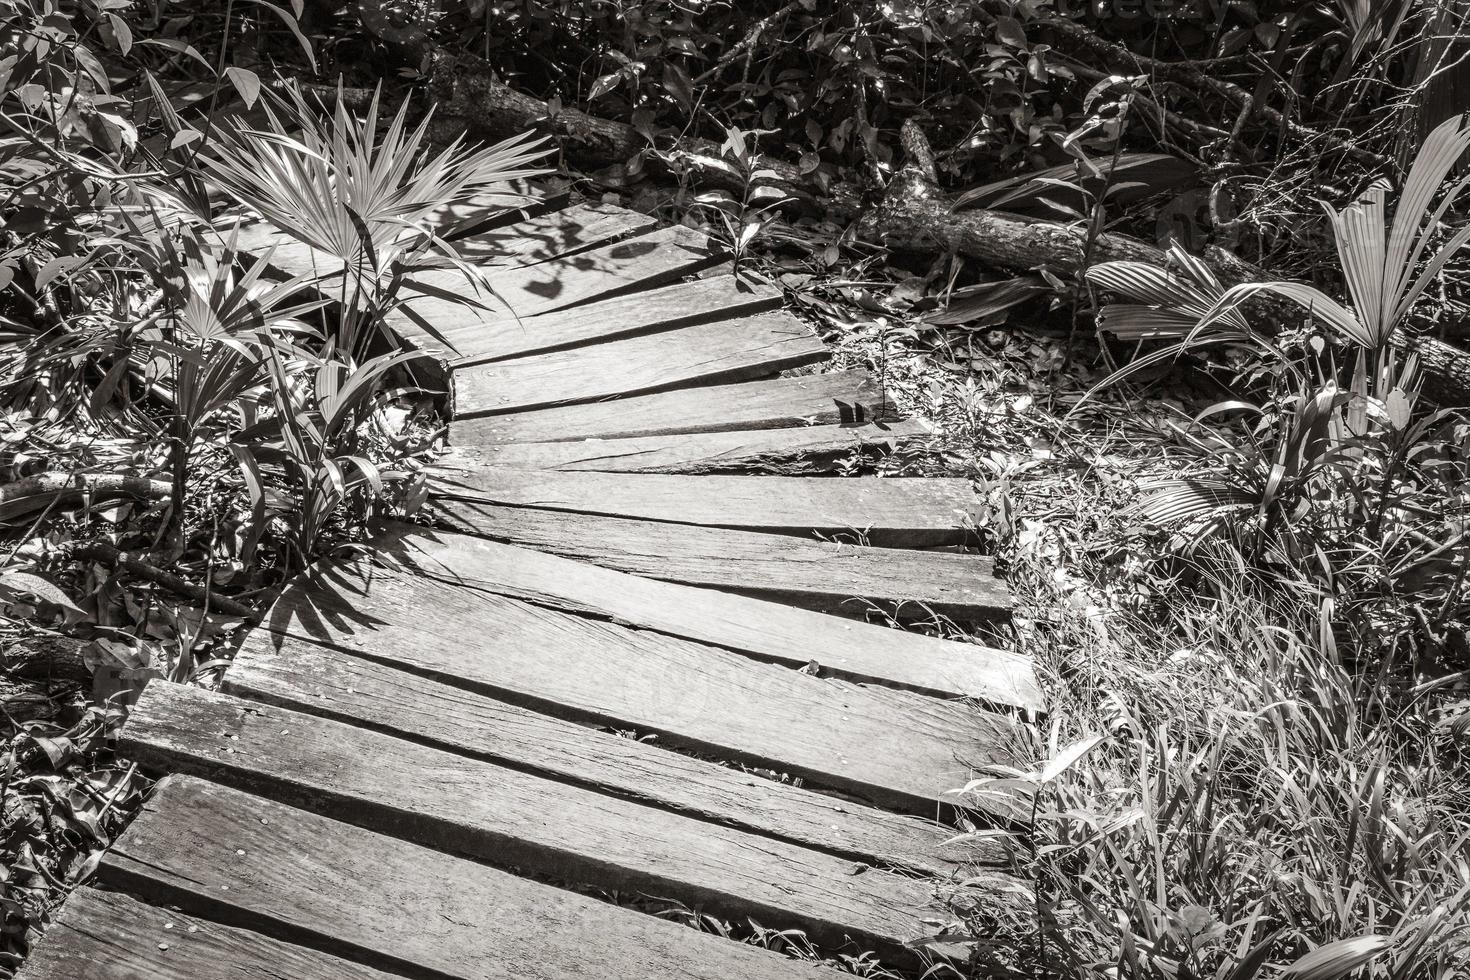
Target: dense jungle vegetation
{"type": "Point", "coordinates": [1180, 284]}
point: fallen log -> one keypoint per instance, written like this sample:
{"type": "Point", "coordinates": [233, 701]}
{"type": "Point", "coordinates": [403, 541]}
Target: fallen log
{"type": "Point", "coordinates": [467, 94]}
{"type": "Point", "coordinates": [914, 215]}
{"type": "Point", "coordinates": [45, 658]}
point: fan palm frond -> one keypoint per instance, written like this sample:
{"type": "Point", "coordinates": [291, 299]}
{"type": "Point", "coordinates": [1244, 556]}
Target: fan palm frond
{"type": "Point", "coordinates": [1188, 499]}
{"type": "Point", "coordinates": [1167, 302]}
{"type": "Point", "coordinates": [332, 182]}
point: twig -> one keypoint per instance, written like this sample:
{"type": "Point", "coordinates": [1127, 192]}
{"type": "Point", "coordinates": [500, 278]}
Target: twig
{"type": "Point", "coordinates": [1187, 74]}
{"type": "Point", "coordinates": [746, 43]}
{"type": "Point", "coordinates": [1202, 133]}
{"type": "Point", "coordinates": [113, 557]}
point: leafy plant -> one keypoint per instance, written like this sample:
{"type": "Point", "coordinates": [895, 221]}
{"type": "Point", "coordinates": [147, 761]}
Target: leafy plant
{"type": "Point", "coordinates": [1381, 260]}
{"type": "Point", "coordinates": [744, 217]}
{"type": "Point", "coordinates": [365, 202]}
{"type": "Point", "coordinates": [313, 438]}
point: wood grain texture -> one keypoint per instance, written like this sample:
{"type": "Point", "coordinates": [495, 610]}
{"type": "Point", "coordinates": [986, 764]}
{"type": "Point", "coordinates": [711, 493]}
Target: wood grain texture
{"type": "Point", "coordinates": [554, 234]}
{"type": "Point", "coordinates": [890, 512]}
{"type": "Point", "coordinates": [490, 813]}
{"type": "Point", "coordinates": [390, 904]}
{"type": "Point", "coordinates": [109, 936]}
{"type": "Point", "coordinates": [763, 630]}
{"type": "Point", "coordinates": [306, 677]}
{"type": "Point", "coordinates": [721, 297]}
{"type": "Point", "coordinates": [821, 575]}
{"type": "Point", "coordinates": [894, 748]}
{"type": "Point", "coordinates": [654, 259]}
{"type": "Point", "coordinates": [798, 451]}
{"type": "Point", "coordinates": [534, 212]}
{"type": "Point", "coordinates": [842, 397]}
{"type": "Point", "coordinates": [702, 354]}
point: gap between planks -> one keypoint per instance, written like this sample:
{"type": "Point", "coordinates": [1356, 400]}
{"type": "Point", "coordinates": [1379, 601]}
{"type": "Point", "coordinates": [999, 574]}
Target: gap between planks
{"type": "Point", "coordinates": [798, 451]}
{"type": "Point", "coordinates": [701, 354]}
{"type": "Point", "coordinates": [720, 297]}
{"type": "Point", "coordinates": [304, 676]}
{"type": "Point", "coordinates": [764, 630]}
{"type": "Point", "coordinates": [842, 397]}
{"type": "Point", "coordinates": [897, 749]}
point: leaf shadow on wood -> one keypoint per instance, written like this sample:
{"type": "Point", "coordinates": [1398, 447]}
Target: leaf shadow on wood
{"type": "Point", "coordinates": [325, 603]}
{"type": "Point", "coordinates": [607, 264]}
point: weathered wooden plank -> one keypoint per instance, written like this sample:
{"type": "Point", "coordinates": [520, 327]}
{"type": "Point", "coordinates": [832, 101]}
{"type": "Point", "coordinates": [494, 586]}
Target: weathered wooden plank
{"type": "Point", "coordinates": [551, 235]}
{"type": "Point", "coordinates": [444, 621]}
{"type": "Point", "coordinates": [527, 207]}
{"type": "Point", "coordinates": [108, 936]}
{"type": "Point", "coordinates": [654, 259]}
{"type": "Point", "coordinates": [764, 630]}
{"type": "Point", "coordinates": [718, 298]}
{"type": "Point", "coordinates": [331, 885]}
{"type": "Point", "coordinates": [702, 354]}
{"type": "Point", "coordinates": [483, 811]}
{"type": "Point", "coordinates": [504, 204]}
{"type": "Point", "coordinates": [846, 397]}
{"type": "Point", "coordinates": [798, 451]}
{"type": "Point", "coordinates": [899, 512]}
{"type": "Point", "coordinates": [304, 676]}
{"type": "Point", "coordinates": [821, 575]}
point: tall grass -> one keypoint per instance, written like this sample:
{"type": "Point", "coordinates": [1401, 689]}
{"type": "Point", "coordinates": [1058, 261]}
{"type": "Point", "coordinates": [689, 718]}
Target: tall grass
{"type": "Point", "coordinates": [1252, 769]}
{"type": "Point", "coordinates": [1247, 806]}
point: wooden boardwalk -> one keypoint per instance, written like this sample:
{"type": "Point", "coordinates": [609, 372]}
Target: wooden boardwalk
{"type": "Point", "coordinates": [630, 661]}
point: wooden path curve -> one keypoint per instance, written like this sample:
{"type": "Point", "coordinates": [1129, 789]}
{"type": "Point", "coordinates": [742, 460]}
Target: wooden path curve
{"type": "Point", "coordinates": [631, 666]}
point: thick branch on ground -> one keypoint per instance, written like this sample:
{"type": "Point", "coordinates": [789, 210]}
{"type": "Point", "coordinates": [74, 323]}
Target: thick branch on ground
{"type": "Point", "coordinates": [45, 658]}
{"type": "Point", "coordinates": [1006, 241]}
{"type": "Point", "coordinates": [113, 557]}
{"type": "Point", "coordinates": [1077, 36]}
{"type": "Point", "coordinates": [69, 489]}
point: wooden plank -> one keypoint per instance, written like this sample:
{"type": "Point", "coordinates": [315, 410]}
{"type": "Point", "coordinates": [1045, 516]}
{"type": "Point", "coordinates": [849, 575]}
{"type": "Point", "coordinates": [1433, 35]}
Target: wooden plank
{"type": "Point", "coordinates": [890, 512]}
{"type": "Point", "coordinates": [551, 235]}
{"type": "Point", "coordinates": [821, 575]}
{"type": "Point", "coordinates": [764, 630]}
{"type": "Point", "coordinates": [108, 936]}
{"type": "Point", "coordinates": [718, 298]}
{"type": "Point", "coordinates": [896, 748]}
{"type": "Point", "coordinates": [845, 397]}
{"type": "Point", "coordinates": [304, 676]}
{"type": "Point", "coordinates": [702, 354]}
{"type": "Point", "coordinates": [803, 450]}
{"type": "Point", "coordinates": [537, 215]}
{"type": "Point", "coordinates": [655, 259]}
{"type": "Point", "coordinates": [504, 204]}
{"type": "Point", "coordinates": [292, 873]}
{"type": "Point", "coordinates": [483, 811]}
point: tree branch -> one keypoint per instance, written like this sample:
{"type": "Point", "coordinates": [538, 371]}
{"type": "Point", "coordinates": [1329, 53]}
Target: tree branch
{"type": "Point", "coordinates": [113, 557]}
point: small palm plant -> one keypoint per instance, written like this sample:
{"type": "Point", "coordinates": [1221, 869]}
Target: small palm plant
{"type": "Point", "coordinates": [1381, 265]}
{"type": "Point", "coordinates": [206, 353]}
{"type": "Point", "coordinates": [364, 201]}
{"type": "Point", "coordinates": [1381, 259]}
{"type": "Point", "coordinates": [1325, 452]}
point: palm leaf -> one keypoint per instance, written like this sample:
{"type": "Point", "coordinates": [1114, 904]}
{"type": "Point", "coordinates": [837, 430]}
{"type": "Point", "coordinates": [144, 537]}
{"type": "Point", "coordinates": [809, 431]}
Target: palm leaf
{"type": "Point", "coordinates": [1316, 302]}
{"type": "Point", "coordinates": [1185, 500]}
